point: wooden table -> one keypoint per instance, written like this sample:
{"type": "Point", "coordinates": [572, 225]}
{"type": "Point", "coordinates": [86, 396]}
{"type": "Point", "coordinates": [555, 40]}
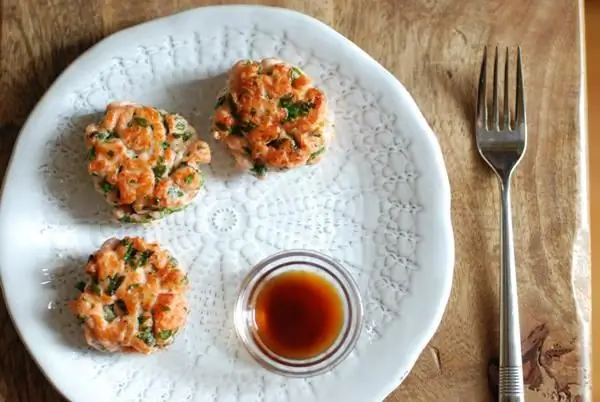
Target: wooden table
{"type": "Point", "coordinates": [434, 47]}
{"type": "Point", "coordinates": [592, 12]}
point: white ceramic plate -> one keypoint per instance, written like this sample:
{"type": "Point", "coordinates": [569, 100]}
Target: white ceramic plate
{"type": "Point", "coordinates": [379, 202]}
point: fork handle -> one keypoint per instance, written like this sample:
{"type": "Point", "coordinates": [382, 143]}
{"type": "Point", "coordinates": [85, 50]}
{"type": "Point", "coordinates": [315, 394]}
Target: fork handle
{"type": "Point", "coordinates": [510, 364]}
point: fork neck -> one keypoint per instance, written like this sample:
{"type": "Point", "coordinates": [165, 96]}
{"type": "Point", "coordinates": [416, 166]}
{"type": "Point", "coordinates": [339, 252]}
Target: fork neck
{"type": "Point", "coordinates": [504, 181]}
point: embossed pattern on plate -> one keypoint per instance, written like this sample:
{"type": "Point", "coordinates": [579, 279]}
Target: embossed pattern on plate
{"type": "Point", "coordinates": [379, 202]}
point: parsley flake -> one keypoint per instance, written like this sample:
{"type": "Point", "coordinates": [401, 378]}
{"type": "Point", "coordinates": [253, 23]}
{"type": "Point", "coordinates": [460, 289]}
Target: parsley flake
{"type": "Point", "coordinates": [106, 186]}
{"type": "Point", "coordinates": [259, 169]}
{"type": "Point", "coordinates": [315, 154]}
{"type": "Point", "coordinates": [165, 334]}
{"type": "Point", "coordinates": [144, 257]}
{"type": "Point", "coordinates": [80, 286]}
{"type": "Point", "coordinates": [140, 121]}
{"type": "Point", "coordinates": [109, 313]}
{"type": "Point", "coordinates": [147, 337]}
{"type": "Point", "coordinates": [96, 289]}
{"type": "Point", "coordinates": [159, 170]}
{"type": "Point", "coordinates": [106, 135]}
{"type": "Point", "coordinates": [113, 284]}
{"type": "Point", "coordinates": [180, 126]}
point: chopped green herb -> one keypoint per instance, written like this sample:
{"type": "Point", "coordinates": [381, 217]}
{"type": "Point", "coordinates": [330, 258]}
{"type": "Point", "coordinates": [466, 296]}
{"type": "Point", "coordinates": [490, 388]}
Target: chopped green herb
{"type": "Point", "coordinates": [109, 312]}
{"type": "Point", "coordinates": [189, 178]}
{"type": "Point", "coordinates": [259, 169]}
{"type": "Point", "coordinates": [129, 252]}
{"type": "Point", "coordinates": [185, 280]}
{"type": "Point", "coordinates": [173, 261]}
{"type": "Point", "coordinates": [122, 306]}
{"type": "Point", "coordinates": [286, 102]}
{"type": "Point", "coordinates": [141, 319]}
{"type": "Point", "coordinates": [315, 154]}
{"type": "Point", "coordinates": [221, 126]}
{"type": "Point", "coordinates": [180, 125]}
{"type": "Point", "coordinates": [133, 286]}
{"type": "Point", "coordinates": [106, 135]}
{"type": "Point", "coordinates": [140, 121]}
{"type": "Point", "coordinates": [298, 110]}
{"type": "Point", "coordinates": [91, 153]}
{"type": "Point", "coordinates": [96, 288]}
{"type": "Point", "coordinates": [165, 145]}
{"type": "Point", "coordinates": [126, 219]}
{"type": "Point", "coordinates": [295, 73]}
{"type": "Point", "coordinates": [220, 102]}
{"type": "Point", "coordinates": [165, 308]}
{"type": "Point", "coordinates": [247, 126]}
{"type": "Point", "coordinates": [147, 336]}
{"type": "Point", "coordinates": [168, 211]}
{"type": "Point", "coordinates": [165, 334]}
{"type": "Point", "coordinates": [113, 284]}
{"type": "Point", "coordinates": [187, 135]}
{"type": "Point", "coordinates": [144, 257]}
{"type": "Point", "coordinates": [82, 319]}
{"type": "Point", "coordinates": [175, 192]}
{"type": "Point", "coordinates": [106, 186]}
{"type": "Point", "coordinates": [295, 110]}
{"type": "Point", "coordinates": [159, 170]}
{"type": "Point", "coordinates": [80, 286]}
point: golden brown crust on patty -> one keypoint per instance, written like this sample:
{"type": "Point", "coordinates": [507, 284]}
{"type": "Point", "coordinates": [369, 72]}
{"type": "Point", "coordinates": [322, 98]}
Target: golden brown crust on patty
{"type": "Point", "coordinates": [133, 299]}
{"type": "Point", "coordinates": [270, 114]}
{"type": "Point", "coordinates": [145, 161]}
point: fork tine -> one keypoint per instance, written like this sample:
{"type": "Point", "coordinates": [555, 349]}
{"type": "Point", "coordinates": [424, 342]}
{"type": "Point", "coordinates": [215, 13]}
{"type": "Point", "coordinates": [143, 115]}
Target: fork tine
{"type": "Point", "coordinates": [506, 108]}
{"type": "Point", "coordinates": [481, 109]}
{"type": "Point", "coordinates": [520, 117]}
{"type": "Point", "coordinates": [495, 107]}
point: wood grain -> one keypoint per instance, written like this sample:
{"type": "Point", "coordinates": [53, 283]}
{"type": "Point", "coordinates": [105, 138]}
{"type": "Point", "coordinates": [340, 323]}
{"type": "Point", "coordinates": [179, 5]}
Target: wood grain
{"type": "Point", "coordinates": [592, 26]}
{"type": "Point", "coordinates": [434, 48]}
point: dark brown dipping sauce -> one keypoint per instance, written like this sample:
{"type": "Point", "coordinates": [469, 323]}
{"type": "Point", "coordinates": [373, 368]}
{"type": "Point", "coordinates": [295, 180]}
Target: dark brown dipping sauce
{"type": "Point", "coordinates": [298, 314]}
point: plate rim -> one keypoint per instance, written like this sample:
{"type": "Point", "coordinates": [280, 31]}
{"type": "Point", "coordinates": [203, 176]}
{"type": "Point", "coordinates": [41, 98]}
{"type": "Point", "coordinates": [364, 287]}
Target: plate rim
{"type": "Point", "coordinates": [441, 210]}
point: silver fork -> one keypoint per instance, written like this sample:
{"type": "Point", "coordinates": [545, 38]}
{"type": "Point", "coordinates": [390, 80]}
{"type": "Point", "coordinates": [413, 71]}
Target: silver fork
{"type": "Point", "coordinates": [503, 148]}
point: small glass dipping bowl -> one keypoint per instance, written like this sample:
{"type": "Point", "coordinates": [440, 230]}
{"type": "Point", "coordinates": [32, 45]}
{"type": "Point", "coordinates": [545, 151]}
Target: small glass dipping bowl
{"type": "Point", "coordinates": [326, 268]}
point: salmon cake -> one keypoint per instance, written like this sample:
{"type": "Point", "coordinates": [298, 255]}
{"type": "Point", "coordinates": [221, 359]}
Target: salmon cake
{"type": "Point", "coordinates": [145, 161]}
{"type": "Point", "coordinates": [133, 298]}
{"type": "Point", "coordinates": [271, 115]}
